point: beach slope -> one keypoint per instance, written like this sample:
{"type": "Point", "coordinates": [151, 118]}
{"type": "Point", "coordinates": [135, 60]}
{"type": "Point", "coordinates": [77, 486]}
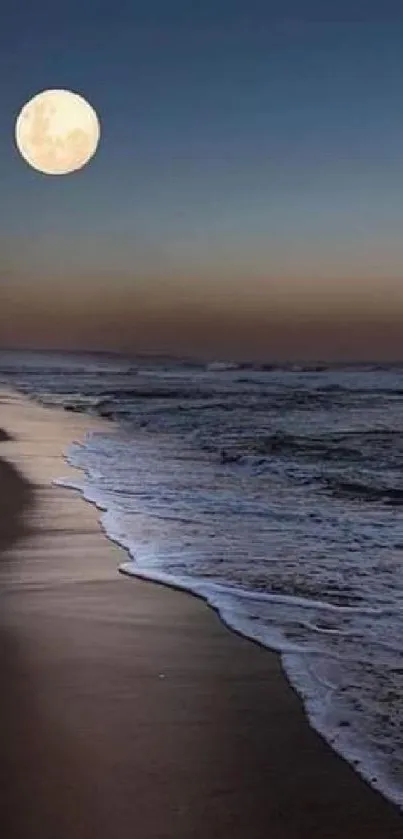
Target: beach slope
{"type": "Point", "coordinates": [127, 709]}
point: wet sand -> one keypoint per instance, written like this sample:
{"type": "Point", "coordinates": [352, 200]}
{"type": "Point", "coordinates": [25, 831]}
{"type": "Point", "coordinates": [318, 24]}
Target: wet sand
{"type": "Point", "coordinates": [127, 709]}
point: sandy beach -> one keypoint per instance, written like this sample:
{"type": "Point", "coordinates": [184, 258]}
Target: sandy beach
{"type": "Point", "coordinates": [127, 709]}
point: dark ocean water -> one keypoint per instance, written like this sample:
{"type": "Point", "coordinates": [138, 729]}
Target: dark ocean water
{"type": "Point", "coordinates": [277, 495]}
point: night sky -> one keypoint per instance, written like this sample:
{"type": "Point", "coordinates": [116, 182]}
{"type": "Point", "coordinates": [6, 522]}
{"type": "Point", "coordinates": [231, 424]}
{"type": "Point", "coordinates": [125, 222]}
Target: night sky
{"type": "Point", "coordinates": [246, 199]}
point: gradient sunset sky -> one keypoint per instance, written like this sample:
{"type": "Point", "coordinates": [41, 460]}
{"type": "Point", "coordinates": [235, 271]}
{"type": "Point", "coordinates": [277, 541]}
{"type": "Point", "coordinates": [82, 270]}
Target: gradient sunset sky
{"type": "Point", "coordinates": [246, 200]}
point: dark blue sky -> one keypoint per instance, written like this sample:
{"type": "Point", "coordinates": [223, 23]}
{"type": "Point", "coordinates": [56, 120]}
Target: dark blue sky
{"type": "Point", "coordinates": [250, 166]}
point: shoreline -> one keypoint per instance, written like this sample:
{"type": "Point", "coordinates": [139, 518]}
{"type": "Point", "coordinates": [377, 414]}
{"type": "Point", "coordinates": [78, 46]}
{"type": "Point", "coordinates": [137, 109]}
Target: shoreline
{"type": "Point", "coordinates": [118, 669]}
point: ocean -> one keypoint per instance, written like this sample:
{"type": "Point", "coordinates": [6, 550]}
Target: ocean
{"type": "Point", "coordinates": [276, 494]}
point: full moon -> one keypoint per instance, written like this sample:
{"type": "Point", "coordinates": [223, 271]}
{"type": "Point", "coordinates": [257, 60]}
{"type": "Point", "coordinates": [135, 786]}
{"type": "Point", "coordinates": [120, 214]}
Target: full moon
{"type": "Point", "coordinates": [57, 132]}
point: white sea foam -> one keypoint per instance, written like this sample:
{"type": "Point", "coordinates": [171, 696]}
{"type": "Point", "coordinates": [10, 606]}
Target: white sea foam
{"type": "Point", "coordinates": [344, 660]}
